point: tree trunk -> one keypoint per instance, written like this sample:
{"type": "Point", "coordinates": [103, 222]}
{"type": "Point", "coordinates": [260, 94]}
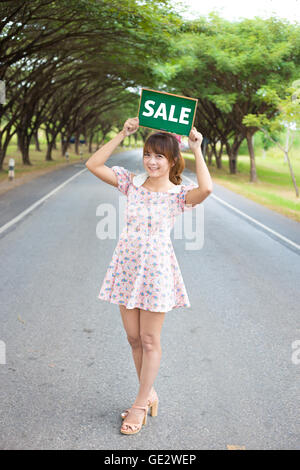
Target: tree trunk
{"type": "Point", "coordinates": [209, 154]}
{"type": "Point", "coordinates": [204, 146]}
{"type": "Point", "coordinates": [2, 157]}
{"type": "Point", "coordinates": [286, 156]}
{"type": "Point", "coordinates": [49, 151]}
{"type": "Point", "coordinates": [64, 145]}
{"type": "Point", "coordinates": [4, 143]}
{"type": "Point", "coordinates": [253, 174]}
{"type": "Point", "coordinates": [19, 140]}
{"type": "Point", "coordinates": [232, 152]}
{"type": "Point", "coordinates": [91, 143]}
{"type": "Point", "coordinates": [61, 142]}
{"type": "Point", "coordinates": [50, 140]}
{"type": "Point", "coordinates": [36, 140]}
{"type": "Point", "coordinates": [218, 156]}
{"type": "Point", "coordinates": [286, 144]}
{"type": "Point", "coordinates": [65, 142]}
{"type": "Point", "coordinates": [77, 138]}
{"type": "Point", "coordinates": [24, 143]}
{"type": "Point", "coordinates": [25, 155]}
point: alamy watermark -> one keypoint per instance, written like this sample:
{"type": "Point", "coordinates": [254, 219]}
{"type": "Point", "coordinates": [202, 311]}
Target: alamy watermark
{"type": "Point", "coordinates": [296, 353]}
{"type": "Point", "coordinates": [2, 352]}
{"type": "Point", "coordinates": [146, 221]}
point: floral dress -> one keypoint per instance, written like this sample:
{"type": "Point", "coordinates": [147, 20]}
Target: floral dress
{"type": "Point", "coordinates": [144, 271]}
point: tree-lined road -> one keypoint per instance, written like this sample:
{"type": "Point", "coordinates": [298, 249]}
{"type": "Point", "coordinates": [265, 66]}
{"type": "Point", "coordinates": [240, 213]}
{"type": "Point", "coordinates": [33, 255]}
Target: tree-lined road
{"type": "Point", "coordinates": [227, 374]}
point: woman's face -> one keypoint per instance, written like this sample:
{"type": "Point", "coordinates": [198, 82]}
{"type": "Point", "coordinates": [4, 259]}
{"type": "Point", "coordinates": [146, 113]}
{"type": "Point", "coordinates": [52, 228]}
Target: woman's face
{"type": "Point", "coordinates": [156, 164]}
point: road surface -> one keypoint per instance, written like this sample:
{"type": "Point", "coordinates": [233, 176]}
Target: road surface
{"type": "Point", "coordinates": [230, 368]}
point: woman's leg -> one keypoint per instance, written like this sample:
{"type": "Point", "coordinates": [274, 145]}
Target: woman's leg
{"type": "Point", "coordinates": [131, 323]}
{"type": "Point", "coordinates": [150, 329]}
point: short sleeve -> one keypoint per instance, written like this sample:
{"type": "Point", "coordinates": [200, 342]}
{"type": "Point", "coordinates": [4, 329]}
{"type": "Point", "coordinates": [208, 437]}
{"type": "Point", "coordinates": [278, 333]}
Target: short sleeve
{"type": "Point", "coordinates": [185, 188]}
{"type": "Point", "coordinates": [123, 177]}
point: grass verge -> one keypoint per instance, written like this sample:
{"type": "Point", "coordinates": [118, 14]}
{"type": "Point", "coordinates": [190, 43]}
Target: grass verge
{"type": "Point", "coordinates": [273, 189]}
{"type": "Point", "coordinates": [25, 173]}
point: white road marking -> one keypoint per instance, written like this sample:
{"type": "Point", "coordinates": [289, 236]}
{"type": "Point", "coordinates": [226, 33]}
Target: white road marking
{"type": "Point", "coordinates": [256, 222]}
{"type": "Point", "coordinates": [37, 203]}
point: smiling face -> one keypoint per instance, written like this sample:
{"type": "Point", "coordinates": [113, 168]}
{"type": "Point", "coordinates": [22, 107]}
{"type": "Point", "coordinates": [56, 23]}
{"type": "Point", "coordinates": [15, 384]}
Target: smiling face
{"type": "Point", "coordinates": [159, 152]}
{"type": "Point", "coordinates": [156, 164]}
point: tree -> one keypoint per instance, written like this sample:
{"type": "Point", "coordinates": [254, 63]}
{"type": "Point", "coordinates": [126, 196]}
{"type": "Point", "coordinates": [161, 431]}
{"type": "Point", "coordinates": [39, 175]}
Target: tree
{"type": "Point", "coordinates": [287, 118]}
{"type": "Point", "coordinates": [60, 53]}
{"type": "Point", "coordinates": [224, 64]}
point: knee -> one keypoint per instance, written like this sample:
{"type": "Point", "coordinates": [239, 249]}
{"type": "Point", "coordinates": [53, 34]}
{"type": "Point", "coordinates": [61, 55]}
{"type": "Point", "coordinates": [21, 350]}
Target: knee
{"type": "Point", "coordinates": [134, 341]}
{"type": "Point", "coordinates": [150, 342]}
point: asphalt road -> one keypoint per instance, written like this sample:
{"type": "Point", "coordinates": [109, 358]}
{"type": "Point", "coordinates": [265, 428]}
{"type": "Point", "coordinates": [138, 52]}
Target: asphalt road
{"type": "Point", "coordinates": [229, 374]}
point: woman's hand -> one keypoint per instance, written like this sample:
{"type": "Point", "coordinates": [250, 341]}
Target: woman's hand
{"type": "Point", "coordinates": [195, 139]}
{"type": "Point", "coordinates": [131, 126]}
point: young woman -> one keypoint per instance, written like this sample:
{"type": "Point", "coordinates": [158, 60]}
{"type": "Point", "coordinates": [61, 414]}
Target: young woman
{"type": "Point", "coordinates": [144, 277]}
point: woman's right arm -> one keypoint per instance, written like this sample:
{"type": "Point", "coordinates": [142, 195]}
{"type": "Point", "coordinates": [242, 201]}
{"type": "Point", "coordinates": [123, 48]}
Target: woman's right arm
{"type": "Point", "coordinates": [96, 163]}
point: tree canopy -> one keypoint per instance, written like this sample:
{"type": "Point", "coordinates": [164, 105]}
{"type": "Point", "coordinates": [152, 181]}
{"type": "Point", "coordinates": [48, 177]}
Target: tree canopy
{"type": "Point", "coordinates": [69, 65]}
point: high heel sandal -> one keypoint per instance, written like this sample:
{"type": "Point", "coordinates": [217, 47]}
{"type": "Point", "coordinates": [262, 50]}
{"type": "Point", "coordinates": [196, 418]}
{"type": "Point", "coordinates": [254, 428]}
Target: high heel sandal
{"type": "Point", "coordinates": [135, 428]}
{"type": "Point", "coordinates": [152, 404]}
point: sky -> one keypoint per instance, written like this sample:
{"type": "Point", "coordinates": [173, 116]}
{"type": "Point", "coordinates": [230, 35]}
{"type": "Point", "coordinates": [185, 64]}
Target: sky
{"type": "Point", "coordinates": [236, 9]}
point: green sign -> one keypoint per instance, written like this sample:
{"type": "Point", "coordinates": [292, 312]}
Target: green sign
{"type": "Point", "coordinates": [167, 112]}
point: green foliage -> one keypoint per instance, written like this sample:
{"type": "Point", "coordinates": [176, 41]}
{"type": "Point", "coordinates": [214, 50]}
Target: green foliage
{"type": "Point", "coordinates": [288, 109]}
{"type": "Point", "coordinates": [229, 67]}
{"type": "Point", "coordinates": [79, 61]}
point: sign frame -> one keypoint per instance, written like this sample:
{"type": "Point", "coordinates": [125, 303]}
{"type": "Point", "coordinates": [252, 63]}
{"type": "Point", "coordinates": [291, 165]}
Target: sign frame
{"type": "Point", "coordinates": [167, 93]}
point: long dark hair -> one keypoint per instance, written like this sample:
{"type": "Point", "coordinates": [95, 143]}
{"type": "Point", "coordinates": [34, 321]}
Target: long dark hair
{"type": "Point", "coordinates": [166, 144]}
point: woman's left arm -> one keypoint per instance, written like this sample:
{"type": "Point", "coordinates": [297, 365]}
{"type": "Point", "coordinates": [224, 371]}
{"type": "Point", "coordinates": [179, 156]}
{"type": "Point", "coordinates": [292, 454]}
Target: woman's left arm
{"type": "Point", "coordinates": [197, 195]}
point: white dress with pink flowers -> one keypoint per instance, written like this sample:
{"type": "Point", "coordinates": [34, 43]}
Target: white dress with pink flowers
{"type": "Point", "coordinates": [144, 271]}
